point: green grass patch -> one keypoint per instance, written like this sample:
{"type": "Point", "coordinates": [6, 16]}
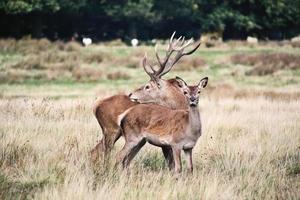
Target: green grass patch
{"type": "Point", "coordinates": [19, 190]}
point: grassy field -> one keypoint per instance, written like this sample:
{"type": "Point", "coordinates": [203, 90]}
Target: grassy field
{"type": "Point", "coordinates": [250, 147]}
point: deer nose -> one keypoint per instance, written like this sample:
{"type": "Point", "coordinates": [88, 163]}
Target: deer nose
{"type": "Point", "coordinates": [192, 98]}
{"type": "Point", "coordinates": [130, 95]}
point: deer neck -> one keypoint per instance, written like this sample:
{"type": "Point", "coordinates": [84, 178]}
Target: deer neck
{"type": "Point", "coordinates": [176, 104]}
{"type": "Point", "coordinates": [175, 100]}
{"type": "Point", "coordinates": [194, 121]}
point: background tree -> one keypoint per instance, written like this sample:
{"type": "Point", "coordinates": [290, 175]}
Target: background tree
{"type": "Point", "coordinates": [147, 19]}
{"type": "Point", "coordinates": [136, 14]}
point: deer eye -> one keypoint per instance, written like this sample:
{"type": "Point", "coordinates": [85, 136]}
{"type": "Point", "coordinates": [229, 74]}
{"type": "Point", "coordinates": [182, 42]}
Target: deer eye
{"type": "Point", "coordinates": [198, 92]}
{"type": "Point", "coordinates": [147, 87]}
{"type": "Point", "coordinates": [185, 92]}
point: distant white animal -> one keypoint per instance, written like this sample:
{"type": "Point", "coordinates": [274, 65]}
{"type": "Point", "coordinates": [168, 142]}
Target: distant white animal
{"type": "Point", "coordinates": [86, 41]}
{"type": "Point", "coordinates": [252, 40]}
{"type": "Point", "coordinates": [154, 41]}
{"type": "Point", "coordinates": [296, 39]}
{"type": "Point", "coordinates": [134, 42]}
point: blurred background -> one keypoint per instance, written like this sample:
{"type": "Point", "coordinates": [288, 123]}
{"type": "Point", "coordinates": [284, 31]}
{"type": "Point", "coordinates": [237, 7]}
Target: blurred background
{"type": "Point", "coordinates": [87, 48]}
{"type": "Point", "coordinates": [147, 19]}
{"type": "Point", "coordinates": [99, 44]}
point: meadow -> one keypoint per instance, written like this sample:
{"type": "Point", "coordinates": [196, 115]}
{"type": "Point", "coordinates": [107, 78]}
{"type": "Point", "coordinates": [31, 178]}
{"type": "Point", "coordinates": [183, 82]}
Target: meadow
{"type": "Point", "coordinates": [250, 147]}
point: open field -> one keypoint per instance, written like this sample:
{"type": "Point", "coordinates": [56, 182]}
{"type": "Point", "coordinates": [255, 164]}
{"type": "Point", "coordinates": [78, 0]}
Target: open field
{"type": "Point", "coordinates": [250, 147]}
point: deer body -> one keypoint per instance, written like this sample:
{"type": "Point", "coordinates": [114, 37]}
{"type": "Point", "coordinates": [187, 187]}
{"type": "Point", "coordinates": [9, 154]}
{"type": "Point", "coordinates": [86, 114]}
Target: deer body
{"type": "Point", "coordinates": [163, 127]}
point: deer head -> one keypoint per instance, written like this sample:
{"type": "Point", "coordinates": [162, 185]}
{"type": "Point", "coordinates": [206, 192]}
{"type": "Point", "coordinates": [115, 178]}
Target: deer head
{"type": "Point", "coordinates": [192, 93]}
{"type": "Point", "coordinates": [157, 90]}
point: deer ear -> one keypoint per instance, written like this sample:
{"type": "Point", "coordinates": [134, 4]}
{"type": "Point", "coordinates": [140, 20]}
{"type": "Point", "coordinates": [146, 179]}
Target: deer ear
{"type": "Point", "coordinates": [180, 82]}
{"type": "Point", "coordinates": [203, 82]}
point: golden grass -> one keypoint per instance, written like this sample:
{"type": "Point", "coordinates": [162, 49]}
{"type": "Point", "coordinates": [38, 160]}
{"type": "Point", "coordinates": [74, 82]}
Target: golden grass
{"type": "Point", "coordinates": [224, 90]}
{"type": "Point", "coordinates": [249, 150]}
{"type": "Point", "coordinates": [267, 63]}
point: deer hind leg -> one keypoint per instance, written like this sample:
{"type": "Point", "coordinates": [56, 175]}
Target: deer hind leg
{"type": "Point", "coordinates": [110, 139]}
{"type": "Point", "coordinates": [97, 152]}
{"type": "Point", "coordinates": [168, 154]}
{"type": "Point", "coordinates": [104, 147]}
{"type": "Point", "coordinates": [128, 152]}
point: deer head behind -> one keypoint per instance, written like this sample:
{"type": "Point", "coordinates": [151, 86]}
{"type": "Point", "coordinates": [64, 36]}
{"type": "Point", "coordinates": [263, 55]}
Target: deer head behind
{"type": "Point", "coordinates": [168, 93]}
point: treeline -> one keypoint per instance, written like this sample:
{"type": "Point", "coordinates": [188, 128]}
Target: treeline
{"type": "Point", "coordinates": [147, 19]}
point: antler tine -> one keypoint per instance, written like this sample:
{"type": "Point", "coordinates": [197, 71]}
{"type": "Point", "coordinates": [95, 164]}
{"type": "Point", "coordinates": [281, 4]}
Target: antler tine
{"type": "Point", "coordinates": [145, 64]}
{"type": "Point", "coordinates": [179, 54]}
{"type": "Point", "coordinates": [162, 65]}
{"type": "Point", "coordinates": [174, 44]}
{"type": "Point", "coordinates": [157, 56]}
{"type": "Point", "coordinates": [178, 40]}
{"type": "Point", "coordinates": [166, 64]}
{"type": "Point", "coordinates": [171, 39]}
{"type": "Point", "coordinates": [192, 50]}
{"type": "Point", "coordinates": [188, 43]}
{"type": "Point", "coordinates": [171, 48]}
{"type": "Point", "coordinates": [184, 44]}
{"type": "Point", "coordinates": [183, 40]}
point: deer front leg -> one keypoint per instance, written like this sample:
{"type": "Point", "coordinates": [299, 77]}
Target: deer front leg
{"type": "Point", "coordinates": [188, 156]}
{"type": "Point", "coordinates": [177, 159]}
{"type": "Point", "coordinates": [168, 154]}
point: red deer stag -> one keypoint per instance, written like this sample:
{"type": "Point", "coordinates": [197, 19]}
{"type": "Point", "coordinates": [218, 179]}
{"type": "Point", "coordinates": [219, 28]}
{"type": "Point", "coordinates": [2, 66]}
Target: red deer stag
{"type": "Point", "coordinates": [163, 92]}
{"type": "Point", "coordinates": [163, 127]}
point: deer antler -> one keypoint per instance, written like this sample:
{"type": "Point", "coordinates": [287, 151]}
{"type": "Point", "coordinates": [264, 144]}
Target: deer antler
{"type": "Point", "coordinates": [145, 65]}
{"type": "Point", "coordinates": [178, 45]}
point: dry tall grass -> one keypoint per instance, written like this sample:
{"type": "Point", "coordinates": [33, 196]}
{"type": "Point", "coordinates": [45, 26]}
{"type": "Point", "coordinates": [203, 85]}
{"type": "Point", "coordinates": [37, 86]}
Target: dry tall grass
{"type": "Point", "coordinates": [29, 60]}
{"type": "Point", "coordinates": [267, 63]}
{"type": "Point", "coordinates": [249, 150]}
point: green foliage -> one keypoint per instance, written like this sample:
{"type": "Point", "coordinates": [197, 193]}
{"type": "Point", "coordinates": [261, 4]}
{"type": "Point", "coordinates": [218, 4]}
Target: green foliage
{"type": "Point", "coordinates": [131, 10]}
{"type": "Point", "coordinates": [263, 18]}
{"type": "Point", "coordinates": [188, 9]}
{"type": "Point", "coordinates": [221, 16]}
{"type": "Point", "coordinates": [28, 6]}
{"type": "Point", "coordinates": [251, 15]}
{"type": "Point", "coordinates": [280, 12]}
{"type": "Point", "coordinates": [72, 5]}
